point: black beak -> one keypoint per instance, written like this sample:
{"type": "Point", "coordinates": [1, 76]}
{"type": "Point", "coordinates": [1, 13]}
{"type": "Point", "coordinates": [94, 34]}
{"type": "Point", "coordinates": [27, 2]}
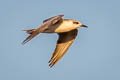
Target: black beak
{"type": "Point", "coordinates": [84, 26]}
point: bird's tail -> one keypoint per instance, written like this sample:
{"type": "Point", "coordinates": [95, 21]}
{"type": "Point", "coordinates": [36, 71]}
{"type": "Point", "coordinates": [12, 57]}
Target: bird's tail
{"type": "Point", "coordinates": [32, 32]}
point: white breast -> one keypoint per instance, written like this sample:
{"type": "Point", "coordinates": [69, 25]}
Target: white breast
{"type": "Point", "coordinates": [65, 27]}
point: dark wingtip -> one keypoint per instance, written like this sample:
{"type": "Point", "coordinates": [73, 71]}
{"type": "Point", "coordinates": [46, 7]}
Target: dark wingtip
{"type": "Point", "coordinates": [51, 65]}
{"type": "Point", "coordinates": [61, 15]}
{"type": "Point", "coordinates": [23, 42]}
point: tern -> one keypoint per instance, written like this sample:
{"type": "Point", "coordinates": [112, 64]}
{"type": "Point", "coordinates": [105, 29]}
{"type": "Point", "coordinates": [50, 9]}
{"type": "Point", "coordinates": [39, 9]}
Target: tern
{"type": "Point", "coordinates": [65, 28]}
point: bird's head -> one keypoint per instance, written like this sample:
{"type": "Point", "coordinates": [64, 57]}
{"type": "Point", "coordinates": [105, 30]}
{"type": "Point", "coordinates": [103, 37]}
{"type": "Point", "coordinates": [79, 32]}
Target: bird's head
{"type": "Point", "coordinates": [78, 24]}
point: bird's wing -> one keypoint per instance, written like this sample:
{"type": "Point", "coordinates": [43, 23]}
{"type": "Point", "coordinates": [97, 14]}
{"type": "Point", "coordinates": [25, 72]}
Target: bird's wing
{"type": "Point", "coordinates": [54, 19]}
{"type": "Point", "coordinates": [64, 42]}
{"type": "Point", "coordinates": [47, 23]}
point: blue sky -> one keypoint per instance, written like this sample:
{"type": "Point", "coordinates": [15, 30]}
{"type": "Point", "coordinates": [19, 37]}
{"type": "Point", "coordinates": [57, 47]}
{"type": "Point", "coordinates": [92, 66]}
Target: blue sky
{"type": "Point", "coordinates": [95, 55]}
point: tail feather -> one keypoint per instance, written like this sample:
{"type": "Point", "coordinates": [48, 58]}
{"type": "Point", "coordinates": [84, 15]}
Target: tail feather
{"type": "Point", "coordinates": [32, 33]}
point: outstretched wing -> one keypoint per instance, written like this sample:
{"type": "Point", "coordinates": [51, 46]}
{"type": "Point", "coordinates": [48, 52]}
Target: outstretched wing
{"type": "Point", "coordinates": [54, 19]}
{"type": "Point", "coordinates": [47, 23]}
{"type": "Point", "coordinates": [64, 42]}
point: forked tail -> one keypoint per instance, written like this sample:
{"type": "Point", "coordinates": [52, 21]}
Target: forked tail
{"type": "Point", "coordinates": [32, 32]}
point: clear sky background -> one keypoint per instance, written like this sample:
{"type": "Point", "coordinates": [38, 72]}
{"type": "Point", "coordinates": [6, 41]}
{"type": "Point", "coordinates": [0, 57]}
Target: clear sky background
{"type": "Point", "coordinates": [95, 55]}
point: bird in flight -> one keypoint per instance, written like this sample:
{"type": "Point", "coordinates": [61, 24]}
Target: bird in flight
{"type": "Point", "coordinates": [65, 28]}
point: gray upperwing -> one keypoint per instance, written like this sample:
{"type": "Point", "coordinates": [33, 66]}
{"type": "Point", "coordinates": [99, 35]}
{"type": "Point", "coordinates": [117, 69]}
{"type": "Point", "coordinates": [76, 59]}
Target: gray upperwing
{"type": "Point", "coordinates": [50, 21]}
{"type": "Point", "coordinates": [47, 23]}
{"type": "Point", "coordinates": [54, 19]}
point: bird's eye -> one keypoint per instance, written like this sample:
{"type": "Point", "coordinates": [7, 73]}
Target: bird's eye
{"type": "Point", "coordinates": [75, 22]}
